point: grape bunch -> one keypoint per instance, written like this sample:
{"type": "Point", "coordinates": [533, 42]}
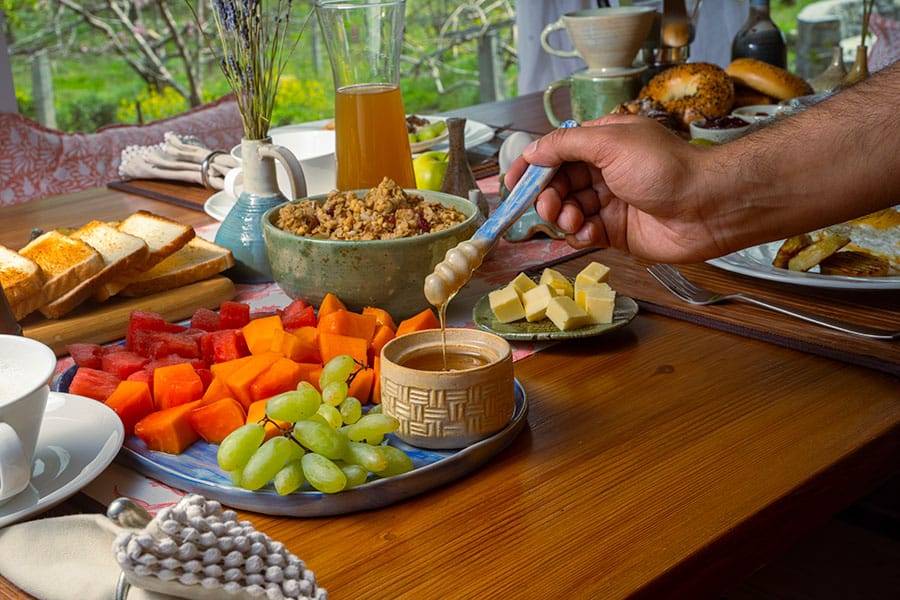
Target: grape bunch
{"type": "Point", "coordinates": [325, 439]}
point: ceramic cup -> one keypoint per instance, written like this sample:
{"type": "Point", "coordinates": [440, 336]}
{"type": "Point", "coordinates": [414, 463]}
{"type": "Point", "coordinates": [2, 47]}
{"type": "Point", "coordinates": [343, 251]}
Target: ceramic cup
{"type": "Point", "coordinates": [314, 148]}
{"type": "Point", "coordinates": [26, 367]}
{"type": "Point", "coordinates": [593, 94]}
{"type": "Point", "coordinates": [447, 409]}
{"type": "Point", "coordinates": [605, 38]}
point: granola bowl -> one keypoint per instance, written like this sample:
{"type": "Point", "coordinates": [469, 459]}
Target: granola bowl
{"type": "Point", "coordinates": [387, 273]}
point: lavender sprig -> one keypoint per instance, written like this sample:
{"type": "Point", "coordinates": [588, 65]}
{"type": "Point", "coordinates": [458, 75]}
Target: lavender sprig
{"type": "Point", "coordinates": [253, 51]}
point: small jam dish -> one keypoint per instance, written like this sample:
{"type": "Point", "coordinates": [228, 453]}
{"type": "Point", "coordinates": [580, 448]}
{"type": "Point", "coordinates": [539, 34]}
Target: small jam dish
{"type": "Point", "coordinates": [759, 112]}
{"type": "Point", "coordinates": [447, 409]}
{"type": "Point", "coordinates": [720, 130]}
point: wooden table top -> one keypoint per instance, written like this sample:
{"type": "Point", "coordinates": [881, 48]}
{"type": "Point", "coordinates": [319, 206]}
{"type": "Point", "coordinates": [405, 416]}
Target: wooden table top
{"type": "Point", "coordinates": [666, 459]}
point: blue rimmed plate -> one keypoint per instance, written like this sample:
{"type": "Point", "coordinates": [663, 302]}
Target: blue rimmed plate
{"type": "Point", "coordinates": [196, 471]}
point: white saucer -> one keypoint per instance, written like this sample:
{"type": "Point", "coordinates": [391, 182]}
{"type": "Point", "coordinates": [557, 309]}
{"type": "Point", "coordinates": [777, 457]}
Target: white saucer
{"type": "Point", "coordinates": [79, 438]}
{"type": "Point", "coordinates": [218, 205]}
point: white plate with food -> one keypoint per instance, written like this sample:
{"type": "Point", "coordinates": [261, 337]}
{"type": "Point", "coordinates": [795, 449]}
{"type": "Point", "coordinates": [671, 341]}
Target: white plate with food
{"type": "Point", "coordinates": [477, 133]}
{"type": "Point", "coordinates": [757, 262]}
{"type": "Point", "coordinates": [79, 438]}
{"type": "Point", "coordinates": [875, 236]}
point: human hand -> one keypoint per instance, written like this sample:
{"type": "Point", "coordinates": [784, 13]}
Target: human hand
{"type": "Point", "coordinates": [626, 182]}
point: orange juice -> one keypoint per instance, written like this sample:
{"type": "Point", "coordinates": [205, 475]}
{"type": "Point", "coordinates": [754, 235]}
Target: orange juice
{"type": "Point", "coordinates": [371, 140]}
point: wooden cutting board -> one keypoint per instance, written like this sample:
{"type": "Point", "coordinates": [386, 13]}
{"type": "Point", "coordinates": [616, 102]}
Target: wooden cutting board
{"type": "Point", "coordinates": [108, 321]}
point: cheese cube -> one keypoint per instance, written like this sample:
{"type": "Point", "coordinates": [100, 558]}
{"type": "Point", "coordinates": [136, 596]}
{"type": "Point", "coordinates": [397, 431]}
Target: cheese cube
{"type": "Point", "coordinates": [593, 273]}
{"type": "Point", "coordinates": [523, 283]}
{"type": "Point", "coordinates": [506, 305]}
{"type": "Point", "coordinates": [565, 314]}
{"type": "Point", "coordinates": [535, 302]}
{"type": "Point", "coordinates": [582, 288]}
{"type": "Point", "coordinates": [600, 306]}
{"type": "Point", "coordinates": [559, 282]}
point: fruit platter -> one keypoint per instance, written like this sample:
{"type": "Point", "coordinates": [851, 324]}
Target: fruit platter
{"type": "Point", "coordinates": [275, 413]}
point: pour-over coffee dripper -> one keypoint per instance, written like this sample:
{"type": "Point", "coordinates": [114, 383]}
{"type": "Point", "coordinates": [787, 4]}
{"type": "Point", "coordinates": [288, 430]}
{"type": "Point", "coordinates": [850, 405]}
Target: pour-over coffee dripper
{"type": "Point", "coordinates": [607, 39]}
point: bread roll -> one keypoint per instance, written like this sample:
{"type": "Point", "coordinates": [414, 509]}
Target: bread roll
{"type": "Point", "coordinates": [767, 79]}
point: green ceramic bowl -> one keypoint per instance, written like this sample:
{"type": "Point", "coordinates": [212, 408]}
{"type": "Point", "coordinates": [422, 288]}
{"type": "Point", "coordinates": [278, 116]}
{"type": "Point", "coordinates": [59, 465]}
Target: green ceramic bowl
{"type": "Point", "coordinates": [389, 274]}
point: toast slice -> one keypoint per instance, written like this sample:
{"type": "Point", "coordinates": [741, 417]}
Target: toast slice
{"type": "Point", "coordinates": [163, 236]}
{"type": "Point", "coordinates": [199, 259]}
{"type": "Point", "coordinates": [121, 253]}
{"type": "Point", "coordinates": [853, 263]}
{"type": "Point", "coordinates": [22, 281]}
{"type": "Point", "coordinates": [66, 261]}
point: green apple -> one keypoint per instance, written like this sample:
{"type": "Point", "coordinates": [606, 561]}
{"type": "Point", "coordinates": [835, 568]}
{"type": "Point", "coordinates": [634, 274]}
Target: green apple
{"type": "Point", "coordinates": [430, 168]}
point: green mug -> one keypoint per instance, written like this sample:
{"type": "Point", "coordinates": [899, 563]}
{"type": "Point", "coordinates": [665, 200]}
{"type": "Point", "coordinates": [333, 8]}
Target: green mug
{"type": "Point", "coordinates": [594, 93]}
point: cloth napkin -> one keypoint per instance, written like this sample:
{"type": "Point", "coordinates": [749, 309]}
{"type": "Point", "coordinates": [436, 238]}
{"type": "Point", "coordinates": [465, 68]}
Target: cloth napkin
{"type": "Point", "coordinates": [62, 558]}
{"type": "Point", "coordinates": [177, 158]}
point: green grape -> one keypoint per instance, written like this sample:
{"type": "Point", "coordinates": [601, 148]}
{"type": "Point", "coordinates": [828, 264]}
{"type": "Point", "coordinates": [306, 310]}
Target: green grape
{"type": "Point", "coordinates": [375, 410]}
{"type": "Point", "coordinates": [293, 406]}
{"type": "Point", "coordinates": [331, 415]}
{"type": "Point", "coordinates": [318, 418]}
{"type": "Point", "coordinates": [295, 450]}
{"type": "Point", "coordinates": [430, 131]}
{"type": "Point", "coordinates": [398, 462]}
{"type": "Point", "coordinates": [337, 369]}
{"type": "Point", "coordinates": [239, 445]}
{"type": "Point", "coordinates": [371, 458]}
{"type": "Point", "coordinates": [290, 477]}
{"type": "Point", "coordinates": [351, 410]}
{"type": "Point", "coordinates": [355, 475]}
{"type": "Point", "coordinates": [320, 438]}
{"type": "Point", "coordinates": [334, 393]}
{"type": "Point", "coordinates": [371, 427]}
{"type": "Point", "coordinates": [235, 477]}
{"type": "Point", "coordinates": [266, 462]}
{"type": "Point", "coordinates": [323, 474]}
{"type": "Point", "coordinates": [305, 385]}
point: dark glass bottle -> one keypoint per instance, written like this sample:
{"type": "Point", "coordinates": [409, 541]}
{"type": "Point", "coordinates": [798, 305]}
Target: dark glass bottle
{"type": "Point", "coordinates": [760, 37]}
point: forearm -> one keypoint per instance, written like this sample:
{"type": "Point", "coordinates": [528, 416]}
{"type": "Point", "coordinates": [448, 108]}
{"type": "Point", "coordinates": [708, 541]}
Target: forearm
{"type": "Point", "coordinates": [835, 161]}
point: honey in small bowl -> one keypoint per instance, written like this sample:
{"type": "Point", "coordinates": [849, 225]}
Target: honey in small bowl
{"type": "Point", "coordinates": [473, 398]}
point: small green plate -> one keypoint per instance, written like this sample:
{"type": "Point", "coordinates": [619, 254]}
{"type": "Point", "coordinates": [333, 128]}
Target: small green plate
{"type": "Point", "coordinates": [545, 330]}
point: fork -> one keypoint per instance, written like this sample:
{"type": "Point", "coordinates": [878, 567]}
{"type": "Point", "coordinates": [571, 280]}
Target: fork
{"type": "Point", "coordinates": [690, 292]}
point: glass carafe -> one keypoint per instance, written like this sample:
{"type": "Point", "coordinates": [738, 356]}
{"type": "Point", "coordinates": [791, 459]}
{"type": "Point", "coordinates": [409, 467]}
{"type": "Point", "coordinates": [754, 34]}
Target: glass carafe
{"type": "Point", "coordinates": [364, 39]}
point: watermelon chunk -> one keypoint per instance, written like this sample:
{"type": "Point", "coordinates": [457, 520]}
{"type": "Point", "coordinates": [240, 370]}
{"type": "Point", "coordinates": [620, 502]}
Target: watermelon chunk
{"type": "Point", "coordinates": [223, 345]}
{"type": "Point", "coordinates": [122, 364]}
{"type": "Point", "coordinates": [163, 343]}
{"type": "Point", "coordinates": [172, 359]}
{"type": "Point", "coordinates": [86, 355]}
{"type": "Point", "coordinates": [205, 319]}
{"type": "Point", "coordinates": [143, 321]}
{"type": "Point", "coordinates": [298, 314]}
{"type": "Point", "coordinates": [233, 315]}
{"type": "Point", "coordinates": [93, 383]}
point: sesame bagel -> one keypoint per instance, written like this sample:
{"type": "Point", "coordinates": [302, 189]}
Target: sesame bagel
{"type": "Point", "coordinates": [691, 91]}
{"type": "Point", "coordinates": [767, 79]}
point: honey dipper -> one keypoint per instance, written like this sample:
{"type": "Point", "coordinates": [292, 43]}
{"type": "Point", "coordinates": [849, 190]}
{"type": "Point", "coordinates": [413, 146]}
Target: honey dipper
{"type": "Point", "coordinates": [461, 261]}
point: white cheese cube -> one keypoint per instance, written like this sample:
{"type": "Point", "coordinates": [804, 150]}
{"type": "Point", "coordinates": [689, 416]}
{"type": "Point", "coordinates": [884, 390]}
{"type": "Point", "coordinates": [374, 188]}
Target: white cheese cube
{"type": "Point", "coordinates": [559, 282]}
{"type": "Point", "coordinates": [593, 273]}
{"type": "Point", "coordinates": [565, 314]}
{"type": "Point", "coordinates": [582, 288]}
{"type": "Point", "coordinates": [523, 283]}
{"type": "Point", "coordinates": [506, 305]}
{"type": "Point", "coordinates": [600, 306]}
{"type": "Point", "coordinates": [535, 302]}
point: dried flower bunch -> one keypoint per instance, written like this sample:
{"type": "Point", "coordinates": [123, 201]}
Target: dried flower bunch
{"type": "Point", "coordinates": [253, 51]}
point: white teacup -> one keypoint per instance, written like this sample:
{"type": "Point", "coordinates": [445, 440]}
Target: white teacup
{"type": "Point", "coordinates": [26, 367]}
{"type": "Point", "coordinates": [314, 148]}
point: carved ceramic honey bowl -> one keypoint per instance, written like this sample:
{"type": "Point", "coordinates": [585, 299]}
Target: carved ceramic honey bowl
{"type": "Point", "coordinates": [444, 409]}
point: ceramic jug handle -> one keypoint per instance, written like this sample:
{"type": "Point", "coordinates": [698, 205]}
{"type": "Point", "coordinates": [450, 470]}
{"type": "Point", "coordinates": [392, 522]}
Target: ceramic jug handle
{"type": "Point", "coordinates": [291, 165]}
{"type": "Point", "coordinates": [545, 43]}
{"type": "Point", "coordinates": [15, 472]}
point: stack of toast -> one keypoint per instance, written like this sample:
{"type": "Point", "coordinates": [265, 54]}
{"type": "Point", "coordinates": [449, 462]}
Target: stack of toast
{"type": "Point", "coordinates": [143, 254]}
